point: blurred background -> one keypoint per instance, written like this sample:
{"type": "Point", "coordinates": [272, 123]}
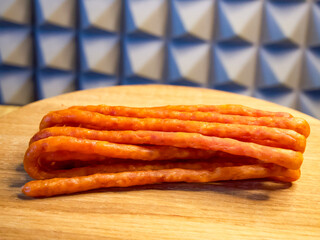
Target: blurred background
{"type": "Point", "coordinates": [261, 48]}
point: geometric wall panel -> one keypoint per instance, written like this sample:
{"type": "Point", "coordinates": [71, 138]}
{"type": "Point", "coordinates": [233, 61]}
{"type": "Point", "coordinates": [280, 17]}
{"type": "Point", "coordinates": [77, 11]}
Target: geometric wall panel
{"type": "Point", "coordinates": [285, 22]}
{"type": "Point", "coordinates": [311, 79]}
{"type": "Point", "coordinates": [285, 97]}
{"type": "Point", "coordinates": [314, 26]}
{"type": "Point", "coordinates": [144, 58]}
{"type": "Point", "coordinates": [53, 83]}
{"type": "Point", "coordinates": [16, 86]}
{"type": "Point", "coordinates": [145, 16]}
{"type": "Point", "coordinates": [309, 103]}
{"type": "Point", "coordinates": [234, 65]}
{"type": "Point", "coordinates": [269, 49]}
{"type": "Point", "coordinates": [189, 62]}
{"type": "Point", "coordinates": [15, 11]}
{"type": "Point", "coordinates": [192, 19]}
{"type": "Point", "coordinates": [279, 67]}
{"type": "Point", "coordinates": [239, 20]}
{"type": "Point", "coordinates": [96, 80]}
{"type": "Point", "coordinates": [59, 13]}
{"type": "Point", "coordinates": [56, 50]}
{"type": "Point", "coordinates": [101, 14]}
{"type": "Point", "coordinates": [16, 47]}
{"type": "Point", "coordinates": [100, 54]}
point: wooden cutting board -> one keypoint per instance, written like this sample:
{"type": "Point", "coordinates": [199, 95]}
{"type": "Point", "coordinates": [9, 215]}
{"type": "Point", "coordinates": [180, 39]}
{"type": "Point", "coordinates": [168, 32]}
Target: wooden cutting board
{"type": "Point", "coordinates": [229, 210]}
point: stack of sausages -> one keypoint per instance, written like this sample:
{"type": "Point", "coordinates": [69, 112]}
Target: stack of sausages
{"type": "Point", "coordinates": [89, 147]}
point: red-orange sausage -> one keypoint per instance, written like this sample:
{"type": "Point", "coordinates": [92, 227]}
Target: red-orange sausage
{"type": "Point", "coordinates": [282, 157]}
{"type": "Point", "coordinates": [100, 148]}
{"type": "Point", "coordinates": [230, 109]}
{"type": "Point", "coordinates": [72, 117]}
{"type": "Point", "coordinates": [297, 124]}
{"type": "Point", "coordinates": [58, 186]}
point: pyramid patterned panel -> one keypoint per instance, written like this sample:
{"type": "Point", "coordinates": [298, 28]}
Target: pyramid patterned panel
{"type": "Point", "coordinates": [144, 59]}
{"type": "Point", "coordinates": [269, 49]}
{"type": "Point", "coordinates": [99, 61]}
{"type": "Point", "coordinates": [192, 19]}
{"type": "Point", "coordinates": [53, 83]}
{"type": "Point", "coordinates": [16, 52]}
{"type": "Point", "coordinates": [283, 96]}
{"type": "Point", "coordinates": [103, 15]}
{"type": "Point", "coordinates": [189, 62]}
{"type": "Point", "coordinates": [16, 47]}
{"type": "Point", "coordinates": [56, 49]}
{"type": "Point", "coordinates": [145, 16]}
{"type": "Point", "coordinates": [309, 103]}
{"type": "Point", "coordinates": [99, 53]}
{"type": "Point", "coordinates": [60, 13]}
{"type": "Point", "coordinates": [279, 67]}
{"type": "Point", "coordinates": [234, 66]}
{"type": "Point", "coordinates": [311, 79]}
{"type": "Point", "coordinates": [96, 80]}
{"type": "Point", "coordinates": [239, 21]}
{"type": "Point", "coordinates": [314, 28]}
{"type": "Point", "coordinates": [15, 11]}
{"type": "Point", "coordinates": [285, 22]}
{"type": "Point", "coordinates": [16, 86]}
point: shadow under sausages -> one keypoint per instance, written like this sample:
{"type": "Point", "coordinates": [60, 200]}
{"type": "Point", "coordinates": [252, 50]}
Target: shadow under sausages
{"type": "Point", "coordinates": [18, 183]}
{"type": "Point", "coordinates": [258, 190]}
{"type": "Point", "coordinates": [255, 190]}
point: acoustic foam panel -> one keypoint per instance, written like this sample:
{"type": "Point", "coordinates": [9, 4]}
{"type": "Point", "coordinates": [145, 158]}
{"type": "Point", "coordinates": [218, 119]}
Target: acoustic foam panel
{"type": "Point", "coordinates": [262, 48]}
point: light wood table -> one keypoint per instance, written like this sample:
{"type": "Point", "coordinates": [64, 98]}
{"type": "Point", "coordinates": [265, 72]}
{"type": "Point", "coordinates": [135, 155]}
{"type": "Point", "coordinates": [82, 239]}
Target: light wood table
{"type": "Point", "coordinates": [6, 109]}
{"type": "Point", "coordinates": [227, 210]}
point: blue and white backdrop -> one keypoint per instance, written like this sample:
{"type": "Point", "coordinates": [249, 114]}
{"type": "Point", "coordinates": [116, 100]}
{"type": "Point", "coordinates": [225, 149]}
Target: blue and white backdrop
{"type": "Point", "coordinates": [262, 48]}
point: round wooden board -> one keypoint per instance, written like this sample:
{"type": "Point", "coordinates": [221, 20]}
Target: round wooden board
{"type": "Point", "coordinates": [226, 210]}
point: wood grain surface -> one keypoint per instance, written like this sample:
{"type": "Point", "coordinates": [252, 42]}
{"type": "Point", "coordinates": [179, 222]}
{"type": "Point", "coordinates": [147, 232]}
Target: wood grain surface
{"type": "Point", "coordinates": [225, 210]}
{"type": "Point", "coordinates": [4, 109]}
